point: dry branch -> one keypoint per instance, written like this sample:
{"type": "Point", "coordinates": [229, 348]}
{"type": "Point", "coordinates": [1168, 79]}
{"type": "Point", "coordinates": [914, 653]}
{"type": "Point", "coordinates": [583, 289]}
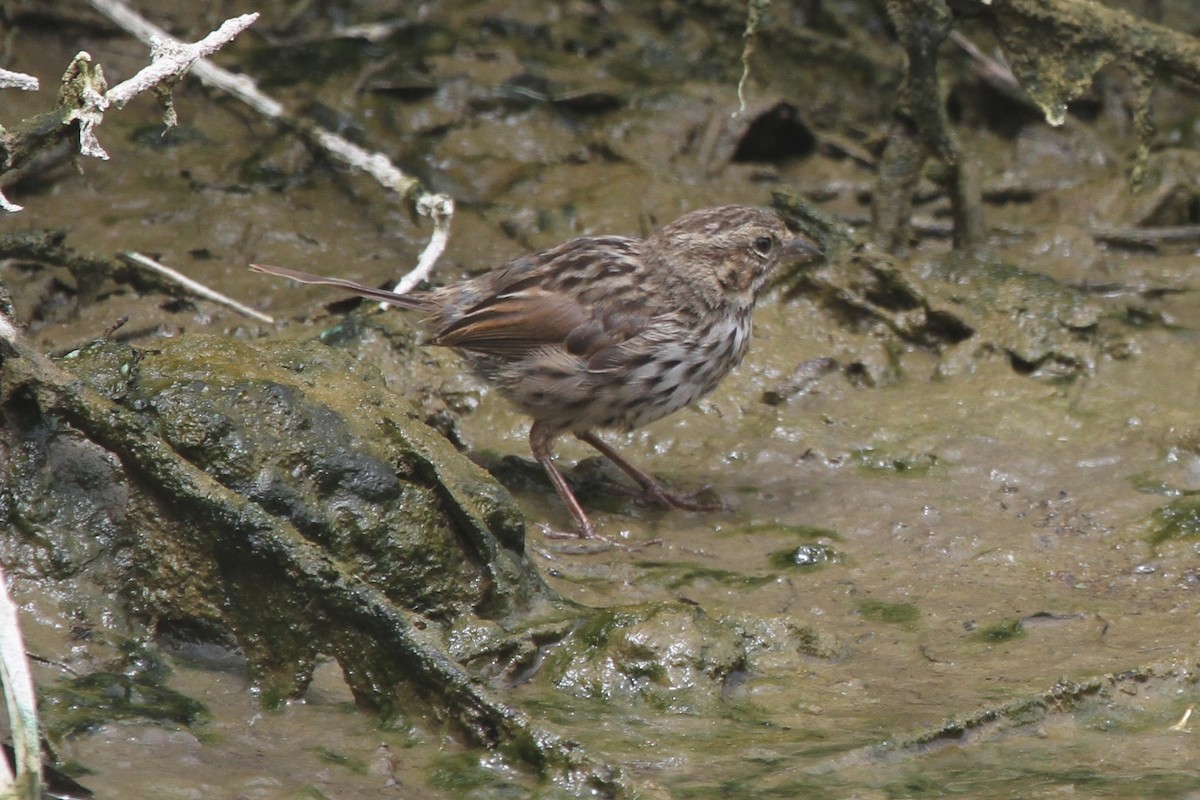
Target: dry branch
{"type": "Point", "coordinates": [196, 287]}
{"type": "Point", "coordinates": [377, 165]}
{"type": "Point", "coordinates": [85, 96]}
{"type": "Point", "coordinates": [18, 80]}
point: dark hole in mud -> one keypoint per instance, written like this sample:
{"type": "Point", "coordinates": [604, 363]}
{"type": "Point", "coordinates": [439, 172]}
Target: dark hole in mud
{"type": "Point", "coordinates": [777, 134]}
{"type": "Point", "coordinates": [858, 375]}
{"type": "Point", "coordinates": [1020, 365]}
{"type": "Point", "coordinates": [948, 328]}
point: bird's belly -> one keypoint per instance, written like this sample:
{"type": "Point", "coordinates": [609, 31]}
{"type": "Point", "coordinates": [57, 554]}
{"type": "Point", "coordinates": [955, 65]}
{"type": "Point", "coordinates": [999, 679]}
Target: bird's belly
{"type": "Point", "coordinates": [569, 396]}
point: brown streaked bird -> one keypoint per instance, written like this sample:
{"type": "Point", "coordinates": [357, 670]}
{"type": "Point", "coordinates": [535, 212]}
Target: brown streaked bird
{"type": "Point", "coordinates": [608, 331]}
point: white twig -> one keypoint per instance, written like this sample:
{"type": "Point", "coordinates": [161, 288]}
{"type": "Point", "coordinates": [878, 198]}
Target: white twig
{"type": "Point", "coordinates": [754, 15]}
{"type": "Point", "coordinates": [8, 331]}
{"type": "Point", "coordinates": [1181, 726]}
{"type": "Point", "coordinates": [18, 685]}
{"type": "Point", "coordinates": [377, 165]}
{"type": "Point", "coordinates": [991, 68]}
{"type": "Point", "coordinates": [371, 31]}
{"type": "Point", "coordinates": [441, 209]}
{"type": "Point", "coordinates": [196, 287]}
{"type": "Point", "coordinates": [172, 58]}
{"type": "Point", "coordinates": [8, 205]}
{"type": "Point", "coordinates": [243, 88]}
{"type": "Point", "coordinates": [17, 80]}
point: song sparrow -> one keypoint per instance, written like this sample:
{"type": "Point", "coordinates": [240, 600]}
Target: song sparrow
{"type": "Point", "coordinates": [608, 331]}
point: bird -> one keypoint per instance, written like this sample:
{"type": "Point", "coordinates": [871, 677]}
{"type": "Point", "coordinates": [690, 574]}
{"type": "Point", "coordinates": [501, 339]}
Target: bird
{"type": "Point", "coordinates": [607, 332]}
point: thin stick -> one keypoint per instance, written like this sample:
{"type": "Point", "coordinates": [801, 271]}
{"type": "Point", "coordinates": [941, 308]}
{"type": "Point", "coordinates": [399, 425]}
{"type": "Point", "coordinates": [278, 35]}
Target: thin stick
{"type": "Point", "coordinates": [8, 331]}
{"type": "Point", "coordinates": [243, 88]}
{"type": "Point", "coordinates": [377, 165]}
{"type": "Point", "coordinates": [993, 70]}
{"type": "Point", "coordinates": [18, 685]}
{"type": "Point", "coordinates": [17, 80]}
{"type": "Point", "coordinates": [28, 83]}
{"type": "Point", "coordinates": [196, 287]}
{"type": "Point", "coordinates": [9, 205]}
{"type": "Point", "coordinates": [441, 209]}
{"type": "Point", "coordinates": [171, 59]}
{"type": "Point", "coordinates": [1181, 726]}
{"type": "Point", "coordinates": [754, 15]}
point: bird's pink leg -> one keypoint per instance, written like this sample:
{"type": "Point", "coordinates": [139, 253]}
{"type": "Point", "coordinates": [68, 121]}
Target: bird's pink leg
{"type": "Point", "coordinates": [652, 488]}
{"type": "Point", "coordinates": [540, 439]}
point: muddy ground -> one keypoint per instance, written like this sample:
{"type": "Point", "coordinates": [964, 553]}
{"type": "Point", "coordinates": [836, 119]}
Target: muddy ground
{"type": "Point", "coordinates": [960, 526]}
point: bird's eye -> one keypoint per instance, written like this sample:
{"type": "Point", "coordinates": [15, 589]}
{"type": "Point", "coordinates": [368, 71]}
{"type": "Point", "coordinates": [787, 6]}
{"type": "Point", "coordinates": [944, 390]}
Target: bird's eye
{"type": "Point", "coordinates": [763, 245]}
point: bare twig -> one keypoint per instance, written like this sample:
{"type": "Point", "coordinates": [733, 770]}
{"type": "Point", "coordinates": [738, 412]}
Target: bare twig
{"type": "Point", "coordinates": [754, 15]}
{"type": "Point", "coordinates": [84, 96]}
{"type": "Point", "coordinates": [18, 685]}
{"type": "Point", "coordinates": [992, 69]}
{"type": "Point", "coordinates": [18, 80]}
{"type": "Point", "coordinates": [1181, 726]}
{"type": "Point", "coordinates": [243, 88]}
{"type": "Point", "coordinates": [28, 83]}
{"type": "Point", "coordinates": [441, 209]}
{"type": "Point", "coordinates": [8, 205]}
{"type": "Point", "coordinates": [921, 130]}
{"type": "Point", "coordinates": [1148, 236]}
{"type": "Point", "coordinates": [171, 59]}
{"type": "Point", "coordinates": [375, 164]}
{"type": "Point", "coordinates": [1054, 49]}
{"type": "Point", "coordinates": [196, 287]}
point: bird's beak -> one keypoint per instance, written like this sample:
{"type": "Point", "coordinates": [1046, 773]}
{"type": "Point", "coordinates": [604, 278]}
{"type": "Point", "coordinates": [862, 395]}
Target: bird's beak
{"type": "Point", "coordinates": [800, 248]}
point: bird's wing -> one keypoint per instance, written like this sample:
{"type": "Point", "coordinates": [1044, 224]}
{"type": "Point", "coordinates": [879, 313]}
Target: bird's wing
{"type": "Point", "coordinates": [564, 297]}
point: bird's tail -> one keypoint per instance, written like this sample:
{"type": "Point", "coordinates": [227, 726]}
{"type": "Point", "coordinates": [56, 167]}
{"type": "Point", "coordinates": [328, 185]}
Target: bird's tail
{"type": "Point", "coordinates": [413, 301]}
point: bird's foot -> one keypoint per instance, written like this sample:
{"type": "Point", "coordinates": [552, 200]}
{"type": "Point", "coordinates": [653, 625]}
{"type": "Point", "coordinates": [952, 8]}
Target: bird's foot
{"type": "Point", "coordinates": [658, 494]}
{"type": "Point", "coordinates": [588, 540]}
